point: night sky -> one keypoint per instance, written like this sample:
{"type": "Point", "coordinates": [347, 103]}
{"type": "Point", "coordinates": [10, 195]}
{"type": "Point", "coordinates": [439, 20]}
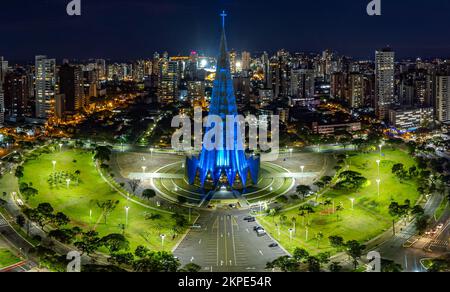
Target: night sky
{"type": "Point", "coordinates": [130, 29]}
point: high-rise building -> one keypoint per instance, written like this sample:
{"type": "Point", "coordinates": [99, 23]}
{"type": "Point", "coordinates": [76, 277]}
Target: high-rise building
{"type": "Point", "coordinates": [17, 93]}
{"type": "Point", "coordinates": [168, 85]}
{"type": "Point", "coordinates": [72, 87]}
{"type": "Point", "coordinates": [443, 99]}
{"type": "Point", "coordinates": [233, 61]}
{"type": "Point", "coordinates": [196, 93]}
{"type": "Point", "coordinates": [45, 86]}
{"type": "Point", "coordinates": [246, 60]}
{"type": "Point", "coordinates": [384, 82]}
{"type": "Point", "coordinates": [355, 93]}
{"type": "Point", "coordinates": [3, 70]}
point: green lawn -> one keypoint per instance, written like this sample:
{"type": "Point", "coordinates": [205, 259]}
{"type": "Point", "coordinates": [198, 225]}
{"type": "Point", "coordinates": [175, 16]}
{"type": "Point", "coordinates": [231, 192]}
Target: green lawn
{"type": "Point", "coordinates": [77, 200]}
{"type": "Point", "coordinates": [370, 216]}
{"type": "Point", "coordinates": [7, 258]}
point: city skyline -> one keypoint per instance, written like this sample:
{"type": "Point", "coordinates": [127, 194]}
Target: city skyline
{"type": "Point", "coordinates": [179, 27]}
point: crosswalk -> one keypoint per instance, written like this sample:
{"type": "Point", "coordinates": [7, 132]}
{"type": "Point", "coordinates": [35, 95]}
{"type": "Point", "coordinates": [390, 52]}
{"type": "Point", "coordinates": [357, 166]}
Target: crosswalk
{"type": "Point", "coordinates": [3, 222]}
{"type": "Point", "coordinates": [444, 244]}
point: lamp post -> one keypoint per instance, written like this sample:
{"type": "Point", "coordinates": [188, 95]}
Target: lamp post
{"type": "Point", "coordinates": [381, 147]}
{"type": "Point", "coordinates": [307, 231]}
{"type": "Point", "coordinates": [90, 217]}
{"type": "Point", "coordinates": [291, 231]}
{"type": "Point", "coordinates": [144, 168]}
{"type": "Point", "coordinates": [303, 173]}
{"type": "Point", "coordinates": [60, 147]}
{"type": "Point", "coordinates": [151, 152]}
{"type": "Point", "coordinates": [54, 165]}
{"type": "Point", "coordinates": [378, 184]}
{"type": "Point", "coordinates": [163, 236]}
{"type": "Point", "coordinates": [290, 152]}
{"type": "Point", "coordinates": [127, 210]}
{"type": "Point", "coordinates": [378, 163]}
{"type": "Point", "coordinates": [68, 182]}
{"type": "Point", "coordinates": [353, 202]}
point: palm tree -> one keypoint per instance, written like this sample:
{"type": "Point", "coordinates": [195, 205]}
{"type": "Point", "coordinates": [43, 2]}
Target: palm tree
{"type": "Point", "coordinates": [319, 237]}
{"type": "Point", "coordinates": [294, 221]}
{"type": "Point", "coordinates": [78, 173]}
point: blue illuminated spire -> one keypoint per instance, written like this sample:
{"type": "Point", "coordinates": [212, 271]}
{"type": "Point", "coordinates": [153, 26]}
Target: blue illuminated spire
{"type": "Point", "coordinates": [220, 165]}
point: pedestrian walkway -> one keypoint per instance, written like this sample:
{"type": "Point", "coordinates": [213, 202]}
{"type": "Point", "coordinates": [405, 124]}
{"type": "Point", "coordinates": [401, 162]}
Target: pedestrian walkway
{"type": "Point", "coordinates": [3, 222]}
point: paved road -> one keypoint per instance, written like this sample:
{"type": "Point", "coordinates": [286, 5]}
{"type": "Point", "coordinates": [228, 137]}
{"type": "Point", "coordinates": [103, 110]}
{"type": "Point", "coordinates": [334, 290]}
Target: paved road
{"type": "Point", "coordinates": [409, 258]}
{"type": "Point", "coordinates": [227, 243]}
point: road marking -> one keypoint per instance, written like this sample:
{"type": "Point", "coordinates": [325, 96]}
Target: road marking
{"type": "Point", "coordinates": [200, 241]}
{"type": "Point", "coordinates": [261, 253]}
{"type": "Point", "coordinates": [3, 222]}
{"type": "Point", "coordinates": [225, 240]}
{"type": "Point", "coordinates": [248, 231]}
{"type": "Point", "coordinates": [234, 244]}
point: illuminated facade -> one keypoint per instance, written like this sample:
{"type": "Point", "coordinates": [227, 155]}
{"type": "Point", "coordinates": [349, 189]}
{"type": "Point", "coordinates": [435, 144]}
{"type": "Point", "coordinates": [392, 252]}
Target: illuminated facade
{"type": "Point", "coordinates": [222, 166]}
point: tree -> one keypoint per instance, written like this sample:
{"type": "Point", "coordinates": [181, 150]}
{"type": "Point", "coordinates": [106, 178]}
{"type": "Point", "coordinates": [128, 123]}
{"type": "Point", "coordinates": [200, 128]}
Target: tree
{"type": "Point", "coordinates": [103, 153]}
{"type": "Point", "coordinates": [285, 264]}
{"type": "Point", "coordinates": [60, 219]}
{"type": "Point", "coordinates": [350, 180]}
{"type": "Point", "coordinates": [148, 194]}
{"type": "Point", "coordinates": [107, 208]}
{"type": "Point", "coordinates": [300, 254]}
{"type": "Point", "coordinates": [29, 192]}
{"type": "Point", "coordinates": [157, 262]}
{"type": "Point", "coordinates": [122, 258]}
{"type": "Point", "coordinates": [319, 237]}
{"type": "Point", "coordinates": [422, 223]}
{"type": "Point", "coordinates": [388, 266]}
{"type": "Point", "coordinates": [191, 268]}
{"type": "Point", "coordinates": [134, 184]}
{"type": "Point", "coordinates": [115, 243]}
{"type": "Point", "coordinates": [336, 242]}
{"type": "Point", "coordinates": [19, 172]}
{"type": "Point", "coordinates": [313, 264]}
{"type": "Point", "coordinates": [180, 220]}
{"type": "Point", "coordinates": [307, 209]}
{"type": "Point", "coordinates": [335, 267]}
{"type": "Point", "coordinates": [20, 220]}
{"type": "Point", "coordinates": [355, 250]}
{"type": "Point", "coordinates": [303, 190]}
{"type": "Point", "coordinates": [89, 242]}
{"type": "Point", "coordinates": [77, 174]}
{"type": "Point", "coordinates": [394, 211]}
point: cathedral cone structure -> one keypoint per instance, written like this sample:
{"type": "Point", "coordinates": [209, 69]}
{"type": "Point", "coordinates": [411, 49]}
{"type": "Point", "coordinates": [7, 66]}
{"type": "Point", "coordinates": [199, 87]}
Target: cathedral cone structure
{"type": "Point", "coordinates": [221, 166]}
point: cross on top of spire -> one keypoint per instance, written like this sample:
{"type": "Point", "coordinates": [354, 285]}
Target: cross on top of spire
{"type": "Point", "coordinates": [223, 14]}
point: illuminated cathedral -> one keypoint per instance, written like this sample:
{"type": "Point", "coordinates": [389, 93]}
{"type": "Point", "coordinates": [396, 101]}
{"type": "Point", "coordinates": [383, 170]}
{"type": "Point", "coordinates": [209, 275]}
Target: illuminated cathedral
{"type": "Point", "coordinates": [222, 166]}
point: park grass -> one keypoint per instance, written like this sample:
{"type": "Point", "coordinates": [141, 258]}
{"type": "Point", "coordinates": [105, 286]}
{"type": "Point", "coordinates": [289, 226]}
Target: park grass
{"type": "Point", "coordinates": [370, 216]}
{"type": "Point", "coordinates": [77, 200]}
{"type": "Point", "coordinates": [7, 258]}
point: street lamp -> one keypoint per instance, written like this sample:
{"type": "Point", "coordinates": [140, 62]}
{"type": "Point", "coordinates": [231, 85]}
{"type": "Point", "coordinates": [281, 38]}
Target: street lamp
{"type": "Point", "coordinates": [60, 147]}
{"type": "Point", "coordinates": [378, 183]}
{"type": "Point", "coordinates": [90, 217]}
{"type": "Point", "coordinates": [303, 172]}
{"type": "Point", "coordinates": [144, 168]}
{"type": "Point", "coordinates": [380, 146]}
{"type": "Point", "coordinates": [290, 152]}
{"type": "Point", "coordinates": [54, 165]}
{"type": "Point", "coordinates": [163, 236]}
{"type": "Point", "coordinates": [353, 202]}
{"type": "Point", "coordinates": [151, 151]}
{"type": "Point", "coordinates": [307, 231]}
{"type": "Point", "coordinates": [68, 182]}
{"type": "Point", "coordinates": [290, 233]}
{"type": "Point", "coordinates": [127, 210]}
{"type": "Point", "coordinates": [378, 163]}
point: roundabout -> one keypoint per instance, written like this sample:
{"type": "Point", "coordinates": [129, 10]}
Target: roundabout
{"type": "Point", "coordinates": [165, 173]}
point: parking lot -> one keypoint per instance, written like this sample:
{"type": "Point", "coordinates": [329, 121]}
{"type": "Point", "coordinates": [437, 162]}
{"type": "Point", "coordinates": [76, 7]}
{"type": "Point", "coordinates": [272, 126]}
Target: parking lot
{"type": "Point", "coordinates": [227, 243]}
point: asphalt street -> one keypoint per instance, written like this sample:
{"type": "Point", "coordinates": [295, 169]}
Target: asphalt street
{"type": "Point", "coordinates": [227, 243]}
